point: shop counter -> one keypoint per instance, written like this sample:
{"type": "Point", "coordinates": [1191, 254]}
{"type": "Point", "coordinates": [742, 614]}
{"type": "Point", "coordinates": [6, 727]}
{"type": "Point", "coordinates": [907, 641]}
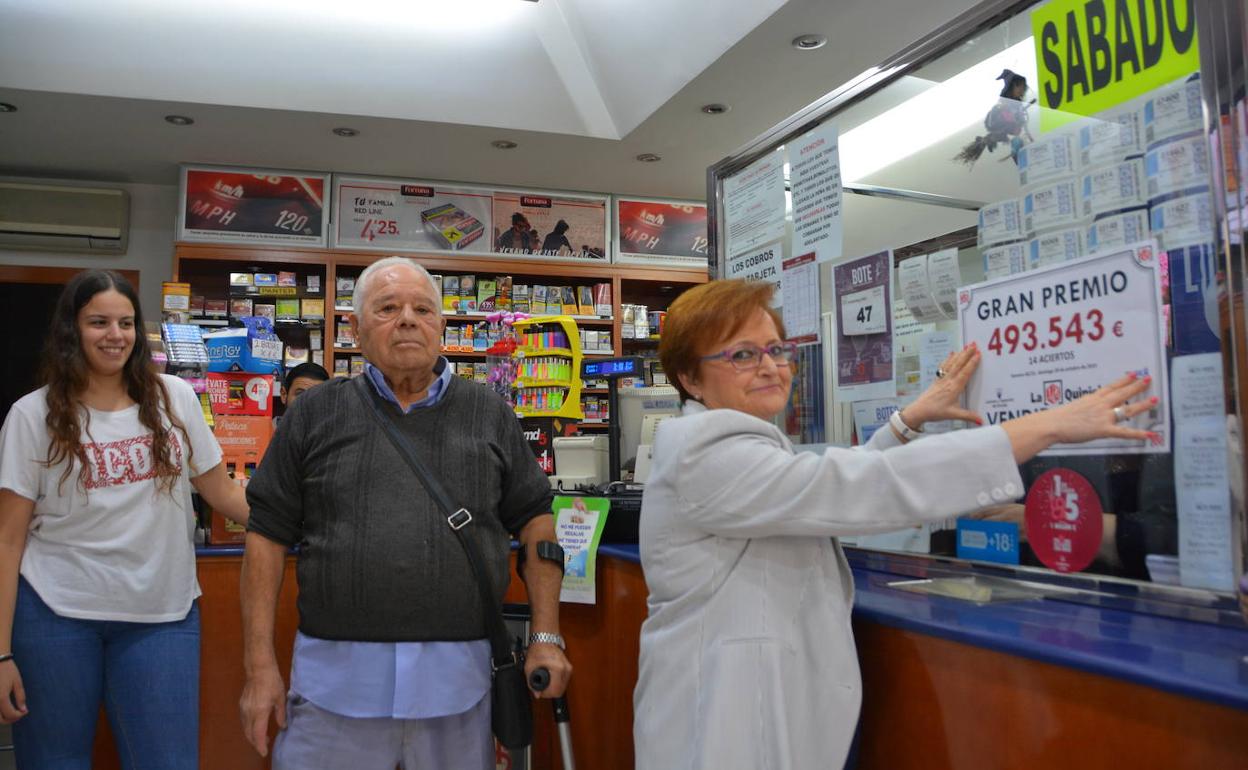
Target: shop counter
{"type": "Point", "coordinates": [1038, 683]}
{"type": "Point", "coordinates": [1020, 684]}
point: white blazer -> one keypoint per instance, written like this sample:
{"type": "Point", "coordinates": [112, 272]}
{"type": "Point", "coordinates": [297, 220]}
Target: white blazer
{"type": "Point", "coordinates": [747, 656]}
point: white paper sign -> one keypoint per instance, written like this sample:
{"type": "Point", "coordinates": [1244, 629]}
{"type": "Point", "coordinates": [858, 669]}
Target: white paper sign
{"type": "Point", "coordinates": [916, 289]}
{"type": "Point", "coordinates": [870, 416]}
{"type": "Point", "coordinates": [945, 276]}
{"type": "Point", "coordinates": [862, 312]}
{"type": "Point", "coordinates": [815, 167]}
{"type": "Point", "coordinates": [761, 264]}
{"type": "Point", "coordinates": [1055, 334]}
{"type": "Point", "coordinates": [754, 204]}
{"type": "Point", "coordinates": [801, 298]}
{"type": "Point", "coordinates": [1201, 485]}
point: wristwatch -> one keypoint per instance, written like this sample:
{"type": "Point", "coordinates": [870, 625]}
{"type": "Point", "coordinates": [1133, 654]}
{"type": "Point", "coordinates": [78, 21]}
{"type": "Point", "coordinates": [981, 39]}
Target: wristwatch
{"type": "Point", "coordinates": [905, 431]}
{"type": "Point", "coordinates": [546, 549]}
{"type": "Point", "coordinates": [543, 637]}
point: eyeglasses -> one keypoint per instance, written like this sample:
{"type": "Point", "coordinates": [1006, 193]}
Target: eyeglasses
{"type": "Point", "coordinates": [746, 357]}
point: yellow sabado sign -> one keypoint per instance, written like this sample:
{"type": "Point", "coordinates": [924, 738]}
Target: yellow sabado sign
{"type": "Point", "coordinates": [1094, 54]}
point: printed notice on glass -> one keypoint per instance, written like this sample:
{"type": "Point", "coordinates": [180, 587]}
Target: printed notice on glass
{"type": "Point", "coordinates": [754, 204]}
{"type": "Point", "coordinates": [916, 290]}
{"type": "Point", "coordinates": [864, 344]}
{"type": "Point", "coordinates": [870, 416]}
{"type": "Point", "coordinates": [1054, 334]}
{"type": "Point", "coordinates": [760, 264]}
{"type": "Point", "coordinates": [815, 165]}
{"type": "Point", "coordinates": [579, 522]}
{"type": "Point", "coordinates": [1201, 483]}
{"type": "Point", "coordinates": [801, 298]}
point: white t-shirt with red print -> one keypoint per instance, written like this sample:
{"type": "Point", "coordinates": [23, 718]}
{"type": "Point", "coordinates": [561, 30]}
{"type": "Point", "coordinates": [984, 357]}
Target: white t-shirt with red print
{"type": "Point", "coordinates": [122, 548]}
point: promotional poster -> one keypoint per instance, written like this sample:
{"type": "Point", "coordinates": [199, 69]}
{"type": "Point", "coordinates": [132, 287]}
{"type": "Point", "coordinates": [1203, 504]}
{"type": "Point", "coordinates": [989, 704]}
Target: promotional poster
{"type": "Point", "coordinates": [253, 206]}
{"type": "Point", "coordinates": [1052, 335]}
{"type": "Point", "coordinates": [661, 232]}
{"type": "Point", "coordinates": [549, 226]}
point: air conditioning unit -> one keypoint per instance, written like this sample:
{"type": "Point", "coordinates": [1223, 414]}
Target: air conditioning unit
{"type": "Point", "coordinates": [58, 218]}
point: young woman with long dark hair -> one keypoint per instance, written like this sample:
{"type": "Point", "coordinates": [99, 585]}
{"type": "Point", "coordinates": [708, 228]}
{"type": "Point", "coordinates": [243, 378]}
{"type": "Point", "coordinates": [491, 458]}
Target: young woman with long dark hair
{"type": "Point", "coordinates": [97, 561]}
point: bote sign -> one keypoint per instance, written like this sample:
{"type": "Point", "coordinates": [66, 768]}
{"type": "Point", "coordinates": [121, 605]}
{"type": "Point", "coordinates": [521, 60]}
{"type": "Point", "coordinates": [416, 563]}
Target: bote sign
{"type": "Point", "coordinates": [1094, 54]}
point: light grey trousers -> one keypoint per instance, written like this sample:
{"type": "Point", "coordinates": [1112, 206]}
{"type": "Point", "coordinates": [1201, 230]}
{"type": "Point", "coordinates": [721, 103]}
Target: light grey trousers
{"type": "Point", "coordinates": [317, 739]}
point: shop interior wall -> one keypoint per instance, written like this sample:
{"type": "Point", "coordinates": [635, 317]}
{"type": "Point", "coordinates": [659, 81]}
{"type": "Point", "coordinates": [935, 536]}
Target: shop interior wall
{"type": "Point", "coordinates": [150, 251]}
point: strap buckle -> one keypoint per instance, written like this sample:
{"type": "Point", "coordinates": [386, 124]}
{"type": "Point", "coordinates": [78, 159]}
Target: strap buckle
{"type": "Point", "coordinates": [513, 659]}
{"type": "Point", "coordinates": [459, 519]}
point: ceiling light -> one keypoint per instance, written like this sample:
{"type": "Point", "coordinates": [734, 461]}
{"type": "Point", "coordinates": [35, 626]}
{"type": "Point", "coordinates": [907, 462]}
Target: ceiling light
{"type": "Point", "coordinates": [503, 144]}
{"type": "Point", "coordinates": [6, 107]}
{"type": "Point", "coordinates": [715, 109]}
{"type": "Point", "coordinates": [179, 120]}
{"type": "Point", "coordinates": [809, 42]}
{"type": "Point", "coordinates": [344, 131]}
{"type": "Point", "coordinates": [649, 157]}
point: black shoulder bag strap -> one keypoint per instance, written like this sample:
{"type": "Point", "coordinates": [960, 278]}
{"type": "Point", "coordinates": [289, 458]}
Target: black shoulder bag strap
{"type": "Point", "coordinates": [502, 653]}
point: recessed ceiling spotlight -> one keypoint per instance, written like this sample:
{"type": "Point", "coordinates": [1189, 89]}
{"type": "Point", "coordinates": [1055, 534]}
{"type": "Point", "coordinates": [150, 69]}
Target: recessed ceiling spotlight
{"type": "Point", "coordinates": [809, 42]}
{"type": "Point", "coordinates": [503, 144]}
{"type": "Point", "coordinates": [649, 157]}
{"type": "Point", "coordinates": [344, 131]}
{"type": "Point", "coordinates": [179, 120]}
{"type": "Point", "coordinates": [6, 107]}
{"type": "Point", "coordinates": [715, 109]}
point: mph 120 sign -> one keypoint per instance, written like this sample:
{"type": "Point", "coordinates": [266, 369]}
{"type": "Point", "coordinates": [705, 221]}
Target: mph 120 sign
{"type": "Point", "coordinates": [1051, 335]}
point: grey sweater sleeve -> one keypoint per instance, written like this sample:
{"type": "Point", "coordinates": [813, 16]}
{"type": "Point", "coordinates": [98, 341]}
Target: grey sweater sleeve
{"type": "Point", "coordinates": [274, 492]}
{"type": "Point", "coordinates": [526, 488]}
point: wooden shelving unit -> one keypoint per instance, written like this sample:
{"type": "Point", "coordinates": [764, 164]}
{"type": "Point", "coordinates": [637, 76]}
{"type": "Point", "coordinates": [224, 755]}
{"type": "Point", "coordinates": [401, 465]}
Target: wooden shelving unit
{"type": "Point", "coordinates": [207, 268]}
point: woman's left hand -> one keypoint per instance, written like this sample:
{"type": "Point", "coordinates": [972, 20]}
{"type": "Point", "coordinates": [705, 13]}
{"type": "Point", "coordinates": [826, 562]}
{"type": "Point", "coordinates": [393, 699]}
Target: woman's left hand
{"type": "Point", "coordinates": [943, 400]}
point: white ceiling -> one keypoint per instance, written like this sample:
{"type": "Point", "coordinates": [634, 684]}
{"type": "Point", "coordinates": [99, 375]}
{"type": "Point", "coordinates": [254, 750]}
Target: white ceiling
{"type": "Point", "coordinates": [582, 85]}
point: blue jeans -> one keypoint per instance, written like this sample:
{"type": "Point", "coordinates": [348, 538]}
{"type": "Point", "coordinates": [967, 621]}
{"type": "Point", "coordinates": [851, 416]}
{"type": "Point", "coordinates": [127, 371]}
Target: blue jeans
{"type": "Point", "coordinates": [145, 674]}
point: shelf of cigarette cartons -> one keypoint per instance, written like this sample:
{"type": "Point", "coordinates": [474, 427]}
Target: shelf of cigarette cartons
{"type": "Point", "coordinates": [653, 286]}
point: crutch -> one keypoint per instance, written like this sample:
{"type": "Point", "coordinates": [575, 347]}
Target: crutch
{"type": "Point", "coordinates": [539, 680]}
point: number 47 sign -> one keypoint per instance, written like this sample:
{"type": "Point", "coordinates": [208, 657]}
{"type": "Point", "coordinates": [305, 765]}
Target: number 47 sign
{"type": "Point", "coordinates": [1051, 335]}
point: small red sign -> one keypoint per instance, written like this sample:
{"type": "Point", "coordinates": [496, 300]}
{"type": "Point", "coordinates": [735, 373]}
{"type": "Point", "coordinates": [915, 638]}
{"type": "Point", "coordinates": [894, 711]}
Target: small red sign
{"type": "Point", "coordinates": [415, 190]}
{"type": "Point", "coordinates": [536, 201]}
{"type": "Point", "coordinates": [1063, 518]}
{"type": "Point", "coordinates": [233, 394]}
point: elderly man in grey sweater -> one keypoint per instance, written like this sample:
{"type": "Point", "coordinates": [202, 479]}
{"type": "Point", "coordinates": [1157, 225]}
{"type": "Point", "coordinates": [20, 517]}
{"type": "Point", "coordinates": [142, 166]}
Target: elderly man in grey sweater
{"type": "Point", "coordinates": [391, 663]}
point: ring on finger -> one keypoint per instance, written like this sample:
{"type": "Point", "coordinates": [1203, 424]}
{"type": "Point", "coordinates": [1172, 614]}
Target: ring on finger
{"type": "Point", "coordinates": [940, 373]}
{"type": "Point", "coordinates": [1120, 414]}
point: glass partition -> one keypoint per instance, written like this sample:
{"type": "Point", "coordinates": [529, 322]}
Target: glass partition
{"type": "Point", "coordinates": [1058, 182]}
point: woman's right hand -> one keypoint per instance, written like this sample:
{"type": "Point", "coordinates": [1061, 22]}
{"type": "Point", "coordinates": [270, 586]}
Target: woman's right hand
{"type": "Point", "coordinates": [1085, 419]}
{"type": "Point", "coordinates": [1092, 416]}
{"type": "Point", "coordinates": [12, 694]}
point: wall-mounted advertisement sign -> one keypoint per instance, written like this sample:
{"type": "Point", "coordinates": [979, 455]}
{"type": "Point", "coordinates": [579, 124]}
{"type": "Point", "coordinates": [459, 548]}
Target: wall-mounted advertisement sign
{"type": "Point", "coordinates": [550, 225]}
{"type": "Point", "coordinates": [413, 215]}
{"type": "Point", "coordinates": [259, 206]}
{"type": "Point", "coordinates": [656, 232]}
{"type": "Point", "coordinates": [410, 216]}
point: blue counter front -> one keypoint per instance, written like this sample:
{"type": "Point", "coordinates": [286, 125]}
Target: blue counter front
{"type": "Point", "coordinates": [1198, 660]}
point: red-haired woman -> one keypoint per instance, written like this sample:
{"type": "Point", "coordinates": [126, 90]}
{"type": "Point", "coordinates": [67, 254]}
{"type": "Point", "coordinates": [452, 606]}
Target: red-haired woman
{"type": "Point", "coordinates": [97, 563]}
{"type": "Point", "coordinates": [747, 656]}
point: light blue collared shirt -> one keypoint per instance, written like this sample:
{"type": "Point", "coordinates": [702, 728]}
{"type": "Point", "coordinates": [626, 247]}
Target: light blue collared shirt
{"type": "Point", "coordinates": [399, 680]}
